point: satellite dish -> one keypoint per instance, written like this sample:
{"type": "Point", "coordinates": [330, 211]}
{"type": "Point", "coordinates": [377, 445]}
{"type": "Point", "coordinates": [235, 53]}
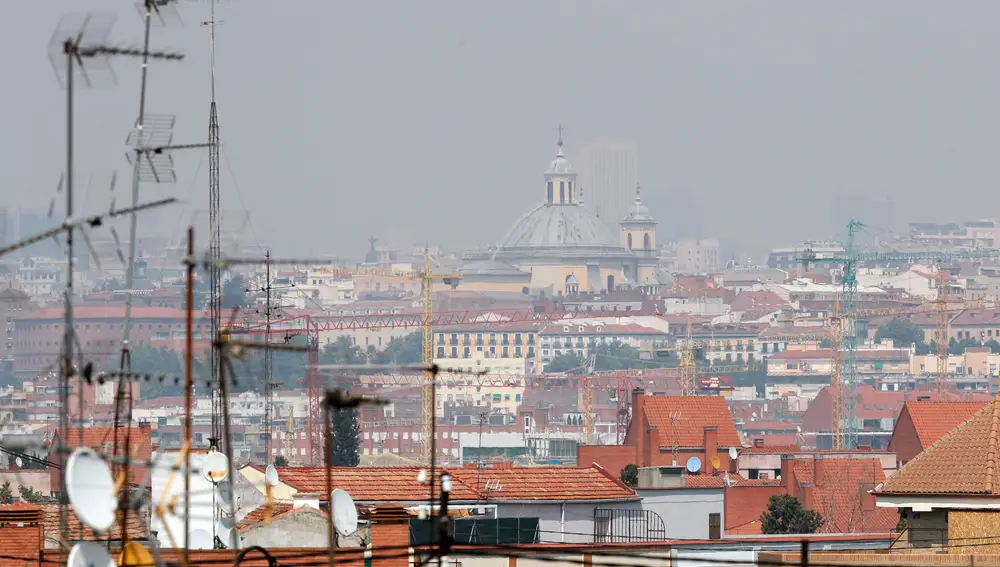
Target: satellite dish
{"type": "Point", "coordinates": [222, 496]}
{"type": "Point", "coordinates": [135, 555]}
{"type": "Point", "coordinates": [694, 464]}
{"type": "Point", "coordinates": [224, 533]}
{"type": "Point", "coordinates": [201, 539]}
{"type": "Point", "coordinates": [89, 554]}
{"type": "Point", "coordinates": [716, 462]}
{"type": "Point", "coordinates": [345, 515]}
{"type": "Point", "coordinates": [18, 462]}
{"type": "Point", "coordinates": [733, 454]}
{"type": "Point", "coordinates": [91, 489]}
{"type": "Point", "coordinates": [215, 467]}
{"type": "Point", "coordinates": [271, 476]}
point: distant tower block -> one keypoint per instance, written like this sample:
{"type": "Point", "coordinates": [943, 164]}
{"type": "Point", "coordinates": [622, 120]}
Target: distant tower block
{"type": "Point", "coordinates": [610, 170]}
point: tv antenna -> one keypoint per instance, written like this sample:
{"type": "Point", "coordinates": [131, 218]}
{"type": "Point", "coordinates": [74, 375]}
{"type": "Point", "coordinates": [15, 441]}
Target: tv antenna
{"type": "Point", "coordinates": [215, 238]}
{"type": "Point", "coordinates": [79, 38]}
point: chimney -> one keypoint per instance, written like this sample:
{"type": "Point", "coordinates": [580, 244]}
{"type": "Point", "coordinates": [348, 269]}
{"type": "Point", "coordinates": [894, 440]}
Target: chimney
{"type": "Point", "coordinates": [390, 529]}
{"type": "Point", "coordinates": [638, 426]}
{"type": "Point", "coordinates": [818, 470]}
{"type": "Point", "coordinates": [788, 474]}
{"type": "Point", "coordinates": [758, 442]}
{"type": "Point", "coordinates": [711, 447]}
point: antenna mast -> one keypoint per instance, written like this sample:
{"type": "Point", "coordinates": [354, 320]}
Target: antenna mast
{"type": "Point", "coordinates": [215, 246]}
{"type": "Point", "coordinates": [268, 362]}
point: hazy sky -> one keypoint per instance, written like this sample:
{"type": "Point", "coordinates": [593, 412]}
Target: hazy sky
{"type": "Point", "coordinates": [435, 119]}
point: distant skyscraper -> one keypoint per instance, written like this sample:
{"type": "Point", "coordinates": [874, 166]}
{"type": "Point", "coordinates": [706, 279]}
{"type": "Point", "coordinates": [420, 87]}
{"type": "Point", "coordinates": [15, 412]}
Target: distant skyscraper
{"type": "Point", "coordinates": [608, 176]}
{"type": "Point", "coordinates": [6, 229]}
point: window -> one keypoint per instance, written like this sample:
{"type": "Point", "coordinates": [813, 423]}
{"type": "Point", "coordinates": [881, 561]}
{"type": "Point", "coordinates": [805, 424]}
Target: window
{"type": "Point", "coordinates": [629, 238]}
{"type": "Point", "coordinates": [550, 192]}
{"type": "Point", "coordinates": [646, 244]}
{"type": "Point", "coordinates": [562, 191]}
{"type": "Point", "coordinates": [715, 526]}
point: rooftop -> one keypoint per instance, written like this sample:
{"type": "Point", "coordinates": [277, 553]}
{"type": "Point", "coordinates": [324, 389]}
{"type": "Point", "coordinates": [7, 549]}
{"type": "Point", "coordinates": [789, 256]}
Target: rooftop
{"type": "Point", "coordinates": [683, 419]}
{"type": "Point", "coordinates": [963, 461]}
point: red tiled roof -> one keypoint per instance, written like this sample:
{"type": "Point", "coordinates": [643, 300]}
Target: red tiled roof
{"type": "Point", "coordinates": [369, 484]}
{"type": "Point", "coordinates": [758, 301]}
{"type": "Point", "coordinates": [546, 483]}
{"type": "Point", "coordinates": [258, 514]}
{"type": "Point", "coordinates": [109, 311]}
{"type": "Point", "coordinates": [932, 420]}
{"type": "Point", "coordinates": [684, 418]}
{"type": "Point", "coordinates": [841, 496]}
{"type": "Point", "coordinates": [977, 317]}
{"type": "Point", "coordinates": [20, 535]}
{"type": "Point", "coordinates": [101, 439]}
{"type": "Point", "coordinates": [77, 531]}
{"type": "Point", "coordinates": [961, 462]}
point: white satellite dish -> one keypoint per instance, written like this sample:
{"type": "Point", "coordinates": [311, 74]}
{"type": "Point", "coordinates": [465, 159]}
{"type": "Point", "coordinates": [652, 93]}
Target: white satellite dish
{"type": "Point", "coordinates": [271, 476]}
{"type": "Point", "coordinates": [18, 462]}
{"type": "Point", "coordinates": [215, 467]}
{"type": "Point", "coordinates": [694, 464]}
{"type": "Point", "coordinates": [89, 554]}
{"type": "Point", "coordinates": [91, 489]}
{"type": "Point", "coordinates": [201, 539]}
{"type": "Point", "coordinates": [733, 453]}
{"type": "Point", "coordinates": [345, 515]}
{"type": "Point", "coordinates": [223, 497]}
{"type": "Point", "coordinates": [224, 531]}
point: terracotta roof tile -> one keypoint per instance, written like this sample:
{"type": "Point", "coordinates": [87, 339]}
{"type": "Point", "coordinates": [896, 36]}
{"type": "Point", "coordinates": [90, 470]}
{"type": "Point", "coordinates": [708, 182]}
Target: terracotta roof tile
{"type": "Point", "coordinates": [841, 496]}
{"type": "Point", "coordinates": [279, 509]}
{"type": "Point", "coordinates": [545, 483]}
{"type": "Point", "coordinates": [691, 415]}
{"type": "Point", "coordinates": [20, 535]}
{"type": "Point", "coordinates": [958, 463]}
{"type": "Point", "coordinates": [369, 484]}
{"type": "Point", "coordinates": [101, 439]}
{"type": "Point", "coordinates": [933, 420]}
{"type": "Point", "coordinates": [257, 514]}
{"type": "Point", "coordinates": [78, 531]}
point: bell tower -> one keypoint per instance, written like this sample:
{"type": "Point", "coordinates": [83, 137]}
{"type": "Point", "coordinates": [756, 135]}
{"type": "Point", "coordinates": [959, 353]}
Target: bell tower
{"type": "Point", "coordinates": [560, 178]}
{"type": "Point", "coordinates": [638, 235]}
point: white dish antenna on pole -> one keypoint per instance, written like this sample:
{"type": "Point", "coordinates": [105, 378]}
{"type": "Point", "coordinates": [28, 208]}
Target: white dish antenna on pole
{"type": "Point", "coordinates": [345, 515]}
{"type": "Point", "coordinates": [91, 489]}
{"type": "Point", "coordinates": [201, 539]}
{"type": "Point", "coordinates": [89, 554]}
{"type": "Point", "coordinates": [215, 467]}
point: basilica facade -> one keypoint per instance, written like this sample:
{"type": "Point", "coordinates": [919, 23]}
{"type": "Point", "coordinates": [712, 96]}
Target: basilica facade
{"type": "Point", "coordinates": [563, 247]}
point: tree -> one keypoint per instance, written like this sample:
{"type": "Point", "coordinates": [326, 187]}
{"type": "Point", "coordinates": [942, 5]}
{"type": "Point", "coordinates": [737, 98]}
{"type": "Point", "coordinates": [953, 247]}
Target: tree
{"type": "Point", "coordinates": [29, 494]}
{"type": "Point", "coordinates": [785, 515]}
{"type": "Point", "coordinates": [630, 475]}
{"type": "Point", "coordinates": [994, 346]}
{"type": "Point", "coordinates": [566, 362]}
{"type": "Point", "coordinates": [6, 494]}
{"type": "Point", "coordinates": [234, 293]}
{"type": "Point", "coordinates": [346, 440]}
{"type": "Point", "coordinates": [155, 362]}
{"type": "Point", "coordinates": [280, 461]}
{"type": "Point", "coordinates": [903, 332]}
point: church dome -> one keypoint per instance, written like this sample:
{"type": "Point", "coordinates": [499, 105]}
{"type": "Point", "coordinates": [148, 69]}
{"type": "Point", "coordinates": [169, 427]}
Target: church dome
{"type": "Point", "coordinates": [639, 213]}
{"type": "Point", "coordinates": [561, 226]}
{"type": "Point", "coordinates": [560, 165]}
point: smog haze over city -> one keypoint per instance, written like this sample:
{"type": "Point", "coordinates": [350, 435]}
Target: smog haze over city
{"type": "Point", "coordinates": [757, 123]}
